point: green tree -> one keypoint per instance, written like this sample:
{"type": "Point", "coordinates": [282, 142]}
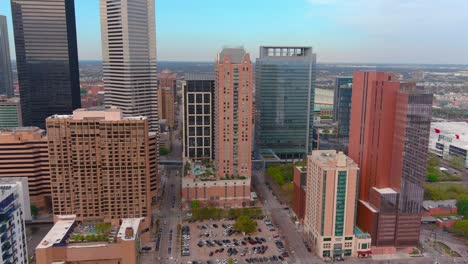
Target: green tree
{"type": "Point", "coordinates": [462, 206]}
{"type": "Point", "coordinates": [230, 261]}
{"type": "Point", "coordinates": [281, 173]}
{"type": "Point", "coordinates": [164, 151]}
{"type": "Point", "coordinates": [461, 228]}
{"type": "Point", "coordinates": [457, 162]}
{"type": "Point", "coordinates": [34, 210]}
{"type": "Point", "coordinates": [433, 174]}
{"type": "Point", "coordinates": [195, 204]}
{"type": "Point", "coordinates": [245, 224]}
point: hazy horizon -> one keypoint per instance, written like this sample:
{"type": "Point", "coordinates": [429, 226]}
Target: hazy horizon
{"type": "Point", "coordinates": [358, 31]}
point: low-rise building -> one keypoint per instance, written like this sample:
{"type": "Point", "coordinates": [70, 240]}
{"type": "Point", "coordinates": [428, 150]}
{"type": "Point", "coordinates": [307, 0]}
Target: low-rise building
{"type": "Point", "coordinates": [23, 153]}
{"type": "Point", "coordinates": [330, 212]}
{"type": "Point", "coordinates": [300, 185]}
{"type": "Point", "coordinates": [449, 139]}
{"type": "Point", "coordinates": [445, 207]}
{"type": "Point", "coordinates": [71, 241]}
{"type": "Point", "coordinates": [201, 183]}
{"type": "Point", "coordinates": [14, 209]}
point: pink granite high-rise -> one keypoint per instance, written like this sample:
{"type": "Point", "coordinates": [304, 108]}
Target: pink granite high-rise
{"type": "Point", "coordinates": [233, 108]}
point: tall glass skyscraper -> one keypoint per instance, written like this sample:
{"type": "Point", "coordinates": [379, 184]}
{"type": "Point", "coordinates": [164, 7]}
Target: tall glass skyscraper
{"type": "Point", "coordinates": [342, 109]}
{"type": "Point", "coordinates": [285, 83]}
{"type": "Point", "coordinates": [6, 79]}
{"type": "Point", "coordinates": [47, 58]}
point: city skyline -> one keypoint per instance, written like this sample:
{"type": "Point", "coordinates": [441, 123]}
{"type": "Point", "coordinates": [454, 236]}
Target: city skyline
{"type": "Point", "coordinates": [339, 31]}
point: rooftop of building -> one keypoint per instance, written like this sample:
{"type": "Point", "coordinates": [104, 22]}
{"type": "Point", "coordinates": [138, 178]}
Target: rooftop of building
{"type": "Point", "coordinates": [205, 171]}
{"type": "Point", "coordinates": [20, 134]}
{"type": "Point", "coordinates": [110, 114]}
{"type": "Point", "coordinates": [9, 100]}
{"type": "Point", "coordinates": [20, 129]}
{"type": "Point", "coordinates": [452, 128]}
{"type": "Point", "coordinates": [127, 225]}
{"type": "Point", "coordinates": [235, 54]}
{"type": "Point", "coordinates": [370, 207]}
{"type": "Point", "coordinates": [332, 158]}
{"type": "Point", "coordinates": [57, 233]}
{"type": "Point", "coordinates": [167, 74]}
{"type": "Point", "coordinates": [69, 232]}
{"type": "Point", "coordinates": [200, 170]}
{"type": "Point", "coordinates": [200, 76]}
{"type": "Point", "coordinates": [285, 51]}
{"type": "Point", "coordinates": [385, 190]}
{"type": "Point", "coordinates": [301, 168]}
{"type": "Point", "coordinates": [428, 204]}
{"type": "Point", "coordinates": [361, 234]}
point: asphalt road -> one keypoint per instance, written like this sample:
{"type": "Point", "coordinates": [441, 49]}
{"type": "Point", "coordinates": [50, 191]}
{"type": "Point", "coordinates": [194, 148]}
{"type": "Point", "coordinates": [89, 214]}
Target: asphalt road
{"type": "Point", "coordinates": [286, 228]}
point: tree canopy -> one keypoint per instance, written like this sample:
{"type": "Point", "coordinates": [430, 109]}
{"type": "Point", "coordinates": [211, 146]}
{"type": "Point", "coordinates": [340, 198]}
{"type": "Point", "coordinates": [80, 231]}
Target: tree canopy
{"type": "Point", "coordinates": [461, 228]}
{"type": "Point", "coordinates": [245, 224]}
{"type": "Point", "coordinates": [281, 173]}
{"type": "Point", "coordinates": [164, 151]}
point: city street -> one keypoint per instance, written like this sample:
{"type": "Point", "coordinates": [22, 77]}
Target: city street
{"type": "Point", "coordinates": [274, 210]}
{"type": "Point", "coordinates": [169, 215]}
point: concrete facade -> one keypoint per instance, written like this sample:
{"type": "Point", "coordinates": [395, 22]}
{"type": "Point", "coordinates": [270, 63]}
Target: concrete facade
{"type": "Point", "coordinates": [102, 165]}
{"type": "Point", "coordinates": [13, 212]}
{"type": "Point", "coordinates": [24, 153]}
{"type": "Point", "coordinates": [128, 36]}
{"type": "Point", "coordinates": [166, 106]}
{"type": "Point", "coordinates": [330, 212]}
{"type": "Point", "coordinates": [167, 78]}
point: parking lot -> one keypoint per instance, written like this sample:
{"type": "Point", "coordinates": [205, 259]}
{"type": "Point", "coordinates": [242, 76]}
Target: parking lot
{"type": "Point", "coordinates": [215, 242]}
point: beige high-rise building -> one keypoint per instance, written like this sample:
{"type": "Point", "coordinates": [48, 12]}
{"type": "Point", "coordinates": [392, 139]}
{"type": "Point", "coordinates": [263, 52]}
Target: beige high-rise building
{"type": "Point", "coordinates": [23, 153]}
{"type": "Point", "coordinates": [166, 106]}
{"type": "Point", "coordinates": [330, 213]}
{"type": "Point", "coordinates": [102, 165]}
{"type": "Point", "coordinates": [129, 57]}
{"type": "Point", "coordinates": [233, 110]}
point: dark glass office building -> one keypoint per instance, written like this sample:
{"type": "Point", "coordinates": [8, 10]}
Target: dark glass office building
{"type": "Point", "coordinates": [285, 84]}
{"type": "Point", "coordinates": [198, 101]}
{"type": "Point", "coordinates": [6, 76]}
{"type": "Point", "coordinates": [342, 109]}
{"type": "Point", "coordinates": [47, 58]}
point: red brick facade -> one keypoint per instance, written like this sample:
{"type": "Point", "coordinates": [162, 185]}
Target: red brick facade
{"type": "Point", "coordinates": [299, 198]}
{"type": "Point", "coordinates": [218, 193]}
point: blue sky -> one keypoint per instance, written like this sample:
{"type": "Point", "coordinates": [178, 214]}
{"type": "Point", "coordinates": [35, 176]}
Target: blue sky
{"type": "Point", "coordinates": [393, 31]}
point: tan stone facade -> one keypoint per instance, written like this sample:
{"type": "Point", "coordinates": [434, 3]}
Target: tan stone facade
{"type": "Point", "coordinates": [166, 105]}
{"type": "Point", "coordinates": [331, 205]}
{"type": "Point", "coordinates": [23, 153]}
{"type": "Point", "coordinates": [102, 165]}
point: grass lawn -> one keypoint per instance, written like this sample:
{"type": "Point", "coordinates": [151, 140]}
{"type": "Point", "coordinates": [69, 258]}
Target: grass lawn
{"type": "Point", "coordinates": [443, 191]}
{"type": "Point", "coordinates": [448, 250]}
